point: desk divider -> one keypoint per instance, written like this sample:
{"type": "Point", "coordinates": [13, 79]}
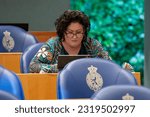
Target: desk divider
{"type": "Point", "coordinates": [39, 86]}
{"type": "Point", "coordinates": [11, 61]}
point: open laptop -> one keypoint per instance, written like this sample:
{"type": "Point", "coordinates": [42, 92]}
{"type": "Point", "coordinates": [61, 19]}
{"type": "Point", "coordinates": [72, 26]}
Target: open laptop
{"type": "Point", "coordinates": [65, 59]}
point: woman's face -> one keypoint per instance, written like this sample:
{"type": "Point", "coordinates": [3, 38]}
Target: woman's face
{"type": "Point", "coordinates": [74, 35]}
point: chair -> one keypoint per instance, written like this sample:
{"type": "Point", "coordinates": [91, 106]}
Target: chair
{"type": "Point", "coordinates": [81, 78]}
{"type": "Point", "coordinates": [6, 96]}
{"type": "Point", "coordinates": [15, 39]}
{"type": "Point", "coordinates": [27, 56]}
{"type": "Point", "coordinates": [10, 83]}
{"type": "Point", "coordinates": [122, 92]}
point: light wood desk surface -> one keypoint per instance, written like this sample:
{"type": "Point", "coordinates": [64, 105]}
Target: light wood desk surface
{"type": "Point", "coordinates": [11, 61]}
{"type": "Point", "coordinates": [44, 86]}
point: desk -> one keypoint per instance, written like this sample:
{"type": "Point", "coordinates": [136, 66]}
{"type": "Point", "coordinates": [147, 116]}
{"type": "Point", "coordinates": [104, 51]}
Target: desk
{"type": "Point", "coordinates": [39, 86]}
{"type": "Point", "coordinates": [44, 86]}
{"type": "Point", "coordinates": [137, 75]}
{"type": "Point", "coordinates": [43, 36]}
{"type": "Point", "coordinates": [11, 61]}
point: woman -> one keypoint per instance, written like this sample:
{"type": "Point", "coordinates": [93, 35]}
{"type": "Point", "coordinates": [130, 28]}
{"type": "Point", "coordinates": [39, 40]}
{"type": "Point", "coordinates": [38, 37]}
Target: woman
{"type": "Point", "coordinates": [72, 28]}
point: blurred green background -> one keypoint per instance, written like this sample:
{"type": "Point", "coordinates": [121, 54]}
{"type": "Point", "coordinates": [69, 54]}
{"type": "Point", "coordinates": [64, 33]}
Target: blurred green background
{"type": "Point", "coordinates": [119, 26]}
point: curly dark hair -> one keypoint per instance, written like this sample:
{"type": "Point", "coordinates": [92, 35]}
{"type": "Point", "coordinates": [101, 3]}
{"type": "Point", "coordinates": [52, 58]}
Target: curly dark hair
{"type": "Point", "coordinates": [68, 17]}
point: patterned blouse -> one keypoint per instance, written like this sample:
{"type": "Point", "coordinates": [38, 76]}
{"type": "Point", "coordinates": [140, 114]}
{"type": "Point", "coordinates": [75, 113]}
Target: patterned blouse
{"type": "Point", "coordinates": [46, 58]}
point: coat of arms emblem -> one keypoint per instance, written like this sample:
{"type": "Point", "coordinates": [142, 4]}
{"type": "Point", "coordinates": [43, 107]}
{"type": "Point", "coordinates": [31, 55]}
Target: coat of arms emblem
{"type": "Point", "coordinates": [94, 80]}
{"type": "Point", "coordinates": [8, 41]}
{"type": "Point", "coordinates": [128, 97]}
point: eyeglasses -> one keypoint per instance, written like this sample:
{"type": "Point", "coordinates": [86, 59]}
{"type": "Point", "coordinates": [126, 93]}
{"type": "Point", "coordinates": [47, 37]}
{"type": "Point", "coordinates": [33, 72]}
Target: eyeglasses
{"type": "Point", "coordinates": [71, 34]}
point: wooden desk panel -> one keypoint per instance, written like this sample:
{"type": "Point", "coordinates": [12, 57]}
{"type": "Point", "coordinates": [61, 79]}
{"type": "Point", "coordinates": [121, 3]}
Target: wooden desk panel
{"type": "Point", "coordinates": [43, 36]}
{"type": "Point", "coordinates": [44, 86]}
{"type": "Point", "coordinates": [137, 75]}
{"type": "Point", "coordinates": [11, 61]}
{"type": "Point", "coordinates": [39, 86]}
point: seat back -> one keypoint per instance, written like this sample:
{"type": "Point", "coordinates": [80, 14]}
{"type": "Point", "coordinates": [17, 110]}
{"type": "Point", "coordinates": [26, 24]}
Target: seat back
{"type": "Point", "coordinates": [15, 39]}
{"type": "Point", "coordinates": [6, 96]}
{"type": "Point", "coordinates": [27, 56]}
{"type": "Point", "coordinates": [81, 78]}
{"type": "Point", "coordinates": [10, 83]}
{"type": "Point", "coordinates": [122, 92]}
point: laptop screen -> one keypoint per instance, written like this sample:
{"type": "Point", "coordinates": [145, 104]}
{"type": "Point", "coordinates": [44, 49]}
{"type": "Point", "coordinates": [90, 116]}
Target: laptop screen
{"type": "Point", "coordinates": [65, 59]}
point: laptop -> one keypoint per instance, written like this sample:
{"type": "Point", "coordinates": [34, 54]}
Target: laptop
{"type": "Point", "coordinates": [65, 59]}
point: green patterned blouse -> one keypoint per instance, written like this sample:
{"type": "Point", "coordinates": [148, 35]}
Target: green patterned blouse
{"type": "Point", "coordinates": [46, 58]}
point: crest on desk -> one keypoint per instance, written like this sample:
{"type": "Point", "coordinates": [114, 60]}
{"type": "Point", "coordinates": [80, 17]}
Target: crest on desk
{"type": "Point", "coordinates": [94, 80]}
{"type": "Point", "coordinates": [8, 41]}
